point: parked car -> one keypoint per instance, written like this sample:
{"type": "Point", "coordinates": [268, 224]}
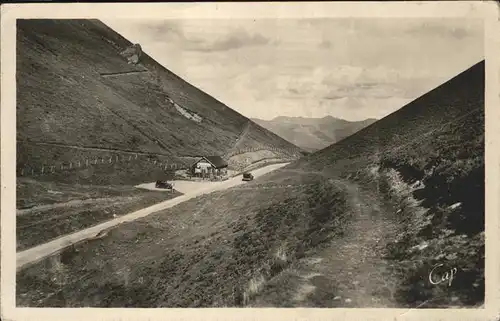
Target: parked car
{"type": "Point", "coordinates": [247, 176]}
{"type": "Point", "coordinates": [164, 184]}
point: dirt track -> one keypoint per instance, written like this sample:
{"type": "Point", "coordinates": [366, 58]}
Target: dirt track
{"type": "Point", "coordinates": [353, 270]}
{"type": "Point", "coordinates": [37, 253]}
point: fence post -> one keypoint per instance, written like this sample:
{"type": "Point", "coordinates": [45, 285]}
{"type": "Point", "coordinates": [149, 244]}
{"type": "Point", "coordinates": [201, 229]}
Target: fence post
{"type": "Point", "coordinates": [42, 169]}
{"type": "Point", "coordinates": [79, 164]}
{"type": "Point", "coordinates": [22, 171]}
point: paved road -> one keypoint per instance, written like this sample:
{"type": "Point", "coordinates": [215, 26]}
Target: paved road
{"type": "Point", "coordinates": [185, 187]}
{"type": "Point", "coordinates": [39, 252]}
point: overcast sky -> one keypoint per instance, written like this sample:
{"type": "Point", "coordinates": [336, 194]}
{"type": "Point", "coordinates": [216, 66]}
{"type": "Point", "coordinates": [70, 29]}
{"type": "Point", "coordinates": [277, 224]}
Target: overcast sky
{"type": "Point", "coordinates": [348, 68]}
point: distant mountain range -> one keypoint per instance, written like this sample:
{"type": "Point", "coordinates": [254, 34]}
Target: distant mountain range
{"type": "Point", "coordinates": [313, 133]}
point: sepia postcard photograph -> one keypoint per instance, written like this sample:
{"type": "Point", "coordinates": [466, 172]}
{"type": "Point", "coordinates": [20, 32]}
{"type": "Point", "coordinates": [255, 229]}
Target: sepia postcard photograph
{"type": "Point", "coordinates": [265, 155]}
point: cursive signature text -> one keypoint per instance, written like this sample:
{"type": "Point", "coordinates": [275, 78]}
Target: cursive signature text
{"type": "Point", "coordinates": [437, 275]}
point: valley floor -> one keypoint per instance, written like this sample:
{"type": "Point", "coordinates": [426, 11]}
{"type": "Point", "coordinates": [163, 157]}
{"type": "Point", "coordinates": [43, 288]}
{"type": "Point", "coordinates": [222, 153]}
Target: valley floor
{"type": "Point", "coordinates": [350, 271]}
{"type": "Point", "coordinates": [47, 210]}
{"type": "Point", "coordinates": [82, 216]}
{"type": "Point", "coordinates": [290, 239]}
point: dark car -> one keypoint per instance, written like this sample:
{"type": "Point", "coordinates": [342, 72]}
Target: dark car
{"type": "Point", "coordinates": [247, 176]}
{"type": "Point", "coordinates": [163, 184]}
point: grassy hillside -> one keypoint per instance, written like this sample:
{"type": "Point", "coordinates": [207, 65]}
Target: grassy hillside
{"type": "Point", "coordinates": [423, 116]}
{"type": "Point", "coordinates": [50, 210]}
{"type": "Point", "coordinates": [313, 134]}
{"type": "Point", "coordinates": [212, 253]}
{"type": "Point", "coordinates": [358, 224]}
{"type": "Point", "coordinates": [427, 162]}
{"type": "Point", "coordinates": [63, 99]}
{"type": "Point", "coordinates": [90, 126]}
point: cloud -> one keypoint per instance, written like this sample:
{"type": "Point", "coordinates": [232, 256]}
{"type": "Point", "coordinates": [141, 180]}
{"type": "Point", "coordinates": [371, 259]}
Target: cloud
{"type": "Point", "coordinates": [442, 29]}
{"type": "Point", "coordinates": [333, 97]}
{"type": "Point", "coordinates": [234, 40]}
{"type": "Point", "coordinates": [325, 44]}
{"type": "Point", "coordinates": [352, 86]}
{"type": "Point", "coordinates": [162, 30]}
{"type": "Point", "coordinates": [190, 37]}
{"type": "Point", "coordinates": [349, 68]}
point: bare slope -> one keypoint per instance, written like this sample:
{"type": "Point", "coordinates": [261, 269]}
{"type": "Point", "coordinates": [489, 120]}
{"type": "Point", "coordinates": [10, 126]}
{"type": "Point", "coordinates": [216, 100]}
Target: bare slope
{"type": "Point", "coordinates": [312, 134]}
{"type": "Point", "coordinates": [63, 98]}
{"type": "Point", "coordinates": [339, 228]}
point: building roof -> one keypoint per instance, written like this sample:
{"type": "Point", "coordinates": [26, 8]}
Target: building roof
{"type": "Point", "coordinates": [216, 161]}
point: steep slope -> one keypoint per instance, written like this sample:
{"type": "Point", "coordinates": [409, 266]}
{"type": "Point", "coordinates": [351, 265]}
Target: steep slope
{"type": "Point", "coordinates": [425, 115]}
{"type": "Point", "coordinates": [313, 134]}
{"type": "Point", "coordinates": [342, 227]}
{"type": "Point", "coordinates": [74, 89]}
{"type": "Point", "coordinates": [426, 163]}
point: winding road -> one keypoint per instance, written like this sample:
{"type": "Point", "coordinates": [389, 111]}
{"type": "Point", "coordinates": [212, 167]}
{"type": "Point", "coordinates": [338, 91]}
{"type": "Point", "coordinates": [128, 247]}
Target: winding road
{"type": "Point", "coordinates": [40, 252]}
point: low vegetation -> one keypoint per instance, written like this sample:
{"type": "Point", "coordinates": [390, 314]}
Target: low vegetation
{"type": "Point", "coordinates": [439, 194]}
{"type": "Point", "coordinates": [47, 210]}
{"type": "Point", "coordinates": [427, 162]}
{"type": "Point", "coordinates": [219, 255]}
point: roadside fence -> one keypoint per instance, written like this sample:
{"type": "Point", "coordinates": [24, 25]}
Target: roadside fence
{"type": "Point", "coordinates": [293, 153]}
{"type": "Point", "coordinates": [29, 169]}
